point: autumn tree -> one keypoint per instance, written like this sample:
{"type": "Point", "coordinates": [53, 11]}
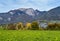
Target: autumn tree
{"type": "Point", "coordinates": [19, 25]}
{"type": "Point", "coordinates": [53, 26]}
{"type": "Point", "coordinates": [28, 26]}
{"type": "Point", "coordinates": [57, 26]}
{"type": "Point", "coordinates": [11, 27]}
{"type": "Point", "coordinates": [35, 25]}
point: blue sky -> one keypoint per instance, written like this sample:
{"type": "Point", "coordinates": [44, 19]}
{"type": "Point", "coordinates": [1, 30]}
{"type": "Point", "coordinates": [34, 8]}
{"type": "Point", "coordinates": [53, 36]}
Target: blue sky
{"type": "Point", "coordinates": [6, 5]}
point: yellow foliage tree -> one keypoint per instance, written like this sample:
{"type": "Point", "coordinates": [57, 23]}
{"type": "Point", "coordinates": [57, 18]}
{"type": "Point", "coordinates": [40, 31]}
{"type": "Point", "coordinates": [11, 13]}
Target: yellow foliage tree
{"type": "Point", "coordinates": [28, 25]}
{"type": "Point", "coordinates": [19, 25]}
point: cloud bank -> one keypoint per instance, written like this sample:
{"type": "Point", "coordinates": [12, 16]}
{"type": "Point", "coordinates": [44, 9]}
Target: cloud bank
{"type": "Point", "coordinates": [6, 5]}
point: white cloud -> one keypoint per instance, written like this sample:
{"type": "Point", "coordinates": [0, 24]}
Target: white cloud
{"type": "Point", "coordinates": [6, 5]}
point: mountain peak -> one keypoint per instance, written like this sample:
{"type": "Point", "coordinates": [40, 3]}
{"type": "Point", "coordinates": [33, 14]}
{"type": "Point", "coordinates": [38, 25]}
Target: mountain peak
{"type": "Point", "coordinates": [29, 15]}
{"type": "Point", "coordinates": [30, 11]}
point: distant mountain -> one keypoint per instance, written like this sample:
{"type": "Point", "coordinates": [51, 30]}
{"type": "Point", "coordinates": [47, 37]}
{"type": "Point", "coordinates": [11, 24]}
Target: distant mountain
{"type": "Point", "coordinates": [53, 14]}
{"type": "Point", "coordinates": [28, 15]}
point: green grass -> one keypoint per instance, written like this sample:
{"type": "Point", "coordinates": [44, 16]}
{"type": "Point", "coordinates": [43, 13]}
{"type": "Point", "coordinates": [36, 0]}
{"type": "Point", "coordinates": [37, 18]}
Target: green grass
{"type": "Point", "coordinates": [29, 35]}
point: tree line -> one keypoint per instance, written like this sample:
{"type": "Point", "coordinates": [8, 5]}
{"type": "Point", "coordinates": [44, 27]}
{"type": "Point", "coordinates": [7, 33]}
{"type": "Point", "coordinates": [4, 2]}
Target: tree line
{"type": "Point", "coordinates": [30, 26]}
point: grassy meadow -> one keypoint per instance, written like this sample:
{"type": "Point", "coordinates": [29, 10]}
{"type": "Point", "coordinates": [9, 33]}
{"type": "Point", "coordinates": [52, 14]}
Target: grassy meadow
{"type": "Point", "coordinates": [29, 35]}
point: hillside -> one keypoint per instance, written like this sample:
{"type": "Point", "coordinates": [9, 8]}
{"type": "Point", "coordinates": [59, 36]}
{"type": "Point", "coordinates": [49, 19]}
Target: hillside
{"type": "Point", "coordinates": [28, 15]}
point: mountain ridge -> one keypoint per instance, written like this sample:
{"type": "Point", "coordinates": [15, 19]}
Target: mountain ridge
{"type": "Point", "coordinates": [28, 15]}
